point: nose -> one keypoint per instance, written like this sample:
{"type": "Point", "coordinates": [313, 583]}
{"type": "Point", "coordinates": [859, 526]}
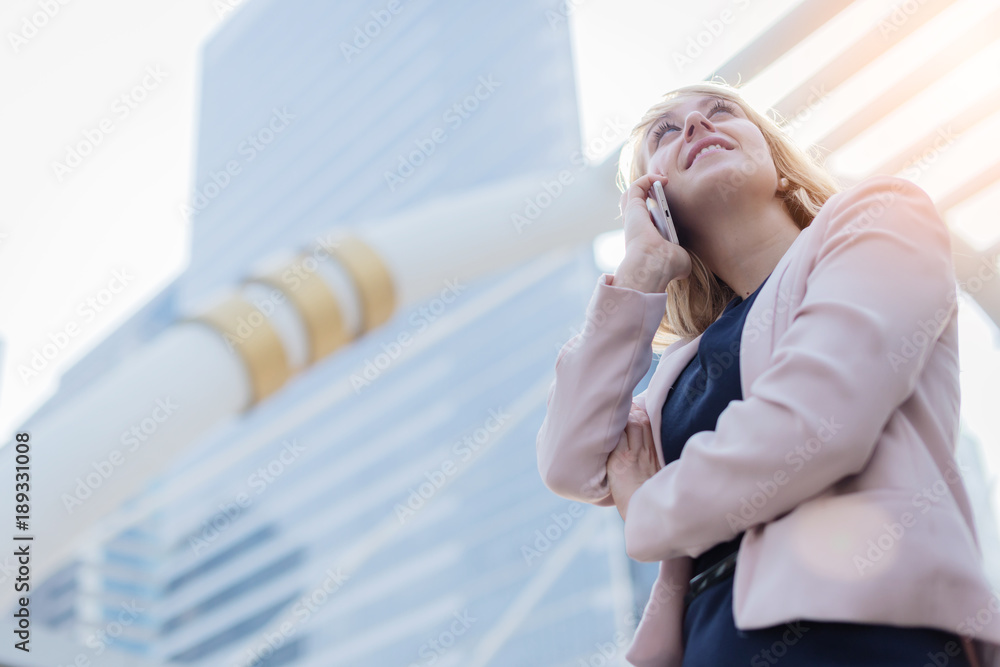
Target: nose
{"type": "Point", "coordinates": [696, 120]}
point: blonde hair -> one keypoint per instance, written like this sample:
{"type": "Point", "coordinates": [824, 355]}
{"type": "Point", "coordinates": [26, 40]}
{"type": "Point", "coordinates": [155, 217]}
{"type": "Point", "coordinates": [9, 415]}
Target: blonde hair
{"type": "Point", "coordinates": [696, 301]}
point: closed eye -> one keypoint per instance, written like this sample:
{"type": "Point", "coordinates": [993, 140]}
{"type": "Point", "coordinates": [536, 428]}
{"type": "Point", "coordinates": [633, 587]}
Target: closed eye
{"type": "Point", "coordinates": [665, 125]}
{"type": "Point", "coordinates": [661, 128]}
{"type": "Point", "coordinates": [720, 106]}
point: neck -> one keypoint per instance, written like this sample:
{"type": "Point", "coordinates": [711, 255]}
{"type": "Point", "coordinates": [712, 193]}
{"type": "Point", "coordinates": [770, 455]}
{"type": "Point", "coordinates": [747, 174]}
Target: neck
{"type": "Point", "coordinates": [744, 245]}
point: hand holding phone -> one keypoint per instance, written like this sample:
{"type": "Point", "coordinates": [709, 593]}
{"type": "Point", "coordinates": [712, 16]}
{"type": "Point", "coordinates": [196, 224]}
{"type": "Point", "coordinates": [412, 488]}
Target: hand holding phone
{"type": "Point", "coordinates": [660, 212]}
{"type": "Point", "coordinates": [642, 251]}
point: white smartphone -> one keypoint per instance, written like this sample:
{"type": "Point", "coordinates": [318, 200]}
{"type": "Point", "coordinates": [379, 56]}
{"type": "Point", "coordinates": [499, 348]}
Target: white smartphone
{"type": "Point", "coordinates": [661, 213]}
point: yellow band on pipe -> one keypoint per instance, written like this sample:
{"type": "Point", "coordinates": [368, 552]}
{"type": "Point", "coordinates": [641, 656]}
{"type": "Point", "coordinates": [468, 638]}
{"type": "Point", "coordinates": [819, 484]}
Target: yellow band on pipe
{"type": "Point", "coordinates": [248, 332]}
{"type": "Point", "coordinates": [317, 306]}
{"type": "Point", "coordinates": [371, 277]}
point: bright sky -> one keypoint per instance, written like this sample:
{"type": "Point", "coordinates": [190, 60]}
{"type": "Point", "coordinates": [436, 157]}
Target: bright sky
{"type": "Point", "coordinates": [126, 73]}
{"type": "Point", "coordinates": [65, 234]}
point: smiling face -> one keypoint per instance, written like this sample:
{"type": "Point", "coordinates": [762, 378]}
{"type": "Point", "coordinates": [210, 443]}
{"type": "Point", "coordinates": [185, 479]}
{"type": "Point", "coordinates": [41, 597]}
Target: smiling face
{"type": "Point", "coordinates": [707, 146]}
{"type": "Point", "coordinates": [726, 205]}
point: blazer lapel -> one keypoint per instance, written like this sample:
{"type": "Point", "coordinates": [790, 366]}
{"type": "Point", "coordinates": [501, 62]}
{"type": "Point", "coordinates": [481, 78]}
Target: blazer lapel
{"type": "Point", "coordinates": [768, 316]}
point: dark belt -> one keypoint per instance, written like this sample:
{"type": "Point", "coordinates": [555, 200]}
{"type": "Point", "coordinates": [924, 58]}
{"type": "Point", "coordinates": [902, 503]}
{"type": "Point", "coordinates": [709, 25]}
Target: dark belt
{"type": "Point", "coordinates": [716, 573]}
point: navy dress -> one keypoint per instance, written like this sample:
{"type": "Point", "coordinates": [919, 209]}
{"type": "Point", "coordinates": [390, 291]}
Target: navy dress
{"type": "Point", "coordinates": [699, 395]}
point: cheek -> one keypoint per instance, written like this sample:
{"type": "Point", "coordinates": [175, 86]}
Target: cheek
{"type": "Point", "coordinates": [758, 151]}
{"type": "Point", "coordinates": [661, 164]}
{"type": "Point", "coordinates": [652, 163]}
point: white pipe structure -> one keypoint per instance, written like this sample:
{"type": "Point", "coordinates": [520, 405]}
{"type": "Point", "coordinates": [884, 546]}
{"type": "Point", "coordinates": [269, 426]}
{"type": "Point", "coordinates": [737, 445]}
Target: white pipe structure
{"type": "Point", "coordinates": [105, 444]}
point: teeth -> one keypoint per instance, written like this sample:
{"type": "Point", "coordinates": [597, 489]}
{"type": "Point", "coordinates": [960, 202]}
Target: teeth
{"type": "Point", "coordinates": [708, 148]}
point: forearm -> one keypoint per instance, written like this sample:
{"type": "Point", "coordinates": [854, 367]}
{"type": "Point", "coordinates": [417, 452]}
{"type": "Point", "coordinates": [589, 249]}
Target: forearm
{"type": "Point", "coordinates": [591, 396]}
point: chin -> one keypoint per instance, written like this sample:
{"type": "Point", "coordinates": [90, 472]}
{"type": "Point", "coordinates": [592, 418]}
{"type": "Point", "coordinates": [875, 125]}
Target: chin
{"type": "Point", "coordinates": [714, 181]}
{"type": "Point", "coordinates": [728, 180]}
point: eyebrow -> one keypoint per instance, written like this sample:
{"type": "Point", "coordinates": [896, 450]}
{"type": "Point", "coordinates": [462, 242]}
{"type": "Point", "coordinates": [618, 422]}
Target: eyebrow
{"type": "Point", "coordinates": [701, 105]}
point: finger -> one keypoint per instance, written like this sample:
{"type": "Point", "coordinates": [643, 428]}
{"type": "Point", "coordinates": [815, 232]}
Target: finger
{"type": "Point", "coordinates": [633, 430]}
{"type": "Point", "coordinates": [647, 434]}
{"type": "Point", "coordinates": [614, 463]}
{"type": "Point", "coordinates": [642, 187]}
{"type": "Point", "coordinates": [648, 454]}
{"type": "Point", "coordinates": [653, 458]}
{"type": "Point", "coordinates": [639, 412]}
{"type": "Point", "coordinates": [639, 190]}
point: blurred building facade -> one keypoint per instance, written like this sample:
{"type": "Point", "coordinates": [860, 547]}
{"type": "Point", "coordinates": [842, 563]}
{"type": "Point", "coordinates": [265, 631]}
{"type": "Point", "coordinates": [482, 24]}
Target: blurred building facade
{"type": "Point", "coordinates": [388, 498]}
{"type": "Point", "coordinates": [422, 477]}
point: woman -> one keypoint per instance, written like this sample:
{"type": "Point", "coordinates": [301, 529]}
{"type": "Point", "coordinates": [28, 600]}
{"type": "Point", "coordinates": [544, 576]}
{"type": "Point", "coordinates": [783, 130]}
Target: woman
{"type": "Point", "coordinates": [781, 463]}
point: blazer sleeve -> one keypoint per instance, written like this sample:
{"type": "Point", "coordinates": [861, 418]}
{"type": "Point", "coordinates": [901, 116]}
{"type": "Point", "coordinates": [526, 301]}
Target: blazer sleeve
{"type": "Point", "coordinates": [878, 294]}
{"type": "Point", "coordinates": [591, 396]}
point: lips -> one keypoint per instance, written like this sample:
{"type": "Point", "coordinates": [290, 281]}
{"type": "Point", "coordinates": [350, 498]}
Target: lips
{"type": "Point", "coordinates": [707, 141]}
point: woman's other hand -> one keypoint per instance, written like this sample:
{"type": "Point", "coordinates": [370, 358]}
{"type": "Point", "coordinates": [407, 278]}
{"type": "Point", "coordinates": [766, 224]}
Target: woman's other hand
{"type": "Point", "coordinates": [633, 460]}
{"type": "Point", "coordinates": [651, 261]}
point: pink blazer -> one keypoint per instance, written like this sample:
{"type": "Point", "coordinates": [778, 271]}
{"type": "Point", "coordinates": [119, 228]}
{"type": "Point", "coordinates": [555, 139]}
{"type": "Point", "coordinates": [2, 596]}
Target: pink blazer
{"type": "Point", "coordinates": [838, 462]}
